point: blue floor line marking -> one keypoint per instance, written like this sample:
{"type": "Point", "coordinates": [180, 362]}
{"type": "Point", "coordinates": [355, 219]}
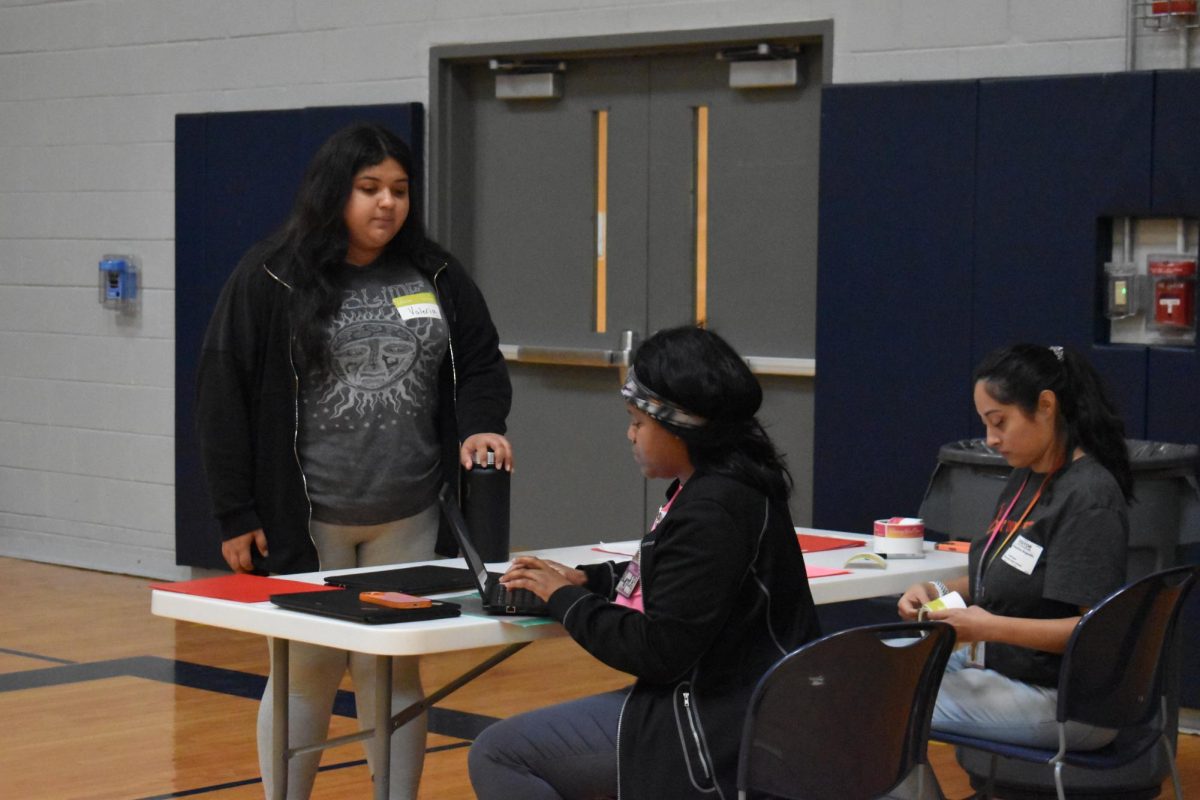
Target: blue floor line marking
{"type": "Point", "coordinates": [62, 675]}
{"type": "Point", "coordinates": [461, 725]}
{"type": "Point", "coordinates": [443, 721]}
{"type": "Point", "coordinates": [252, 781]}
{"type": "Point", "coordinates": [36, 656]}
{"type": "Point", "coordinates": [247, 782]}
{"type": "Point", "coordinates": [155, 668]}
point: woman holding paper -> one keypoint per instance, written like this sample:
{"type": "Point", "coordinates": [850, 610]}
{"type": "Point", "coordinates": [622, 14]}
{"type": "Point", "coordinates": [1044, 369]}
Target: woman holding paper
{"type": "Point", "coordinates": [715, 595]}
{"type": "Point", "coordinates": [1055, 547]}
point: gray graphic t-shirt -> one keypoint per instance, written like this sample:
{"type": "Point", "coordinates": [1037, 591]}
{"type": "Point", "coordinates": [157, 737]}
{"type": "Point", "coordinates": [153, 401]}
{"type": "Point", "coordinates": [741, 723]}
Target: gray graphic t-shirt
{"type": "Point", "coordinates": [368, 432]}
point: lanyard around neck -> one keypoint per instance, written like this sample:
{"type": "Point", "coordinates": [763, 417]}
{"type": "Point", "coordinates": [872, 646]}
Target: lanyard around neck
{"type": "Point", "coordinates": [984, 561]}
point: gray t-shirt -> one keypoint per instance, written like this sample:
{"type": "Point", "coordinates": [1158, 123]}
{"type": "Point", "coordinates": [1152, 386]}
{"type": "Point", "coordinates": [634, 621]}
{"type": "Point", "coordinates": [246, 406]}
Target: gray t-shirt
{"type": "Point", "coordinates": [368, 432]}
{"type": "Point", "coordinates": [1069, 553]}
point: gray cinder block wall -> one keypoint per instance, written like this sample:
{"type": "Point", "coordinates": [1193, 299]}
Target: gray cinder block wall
{"type": "Point", "coordinates": [89, 90]}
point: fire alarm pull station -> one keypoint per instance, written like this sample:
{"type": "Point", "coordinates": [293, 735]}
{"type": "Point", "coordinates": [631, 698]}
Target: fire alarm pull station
{"type": "Point", "coordinates": [119, 282]}
{"type": "Point", "coordinates": [1173, 7]}
{"type": "Point", "coordinates": [1173, 298]}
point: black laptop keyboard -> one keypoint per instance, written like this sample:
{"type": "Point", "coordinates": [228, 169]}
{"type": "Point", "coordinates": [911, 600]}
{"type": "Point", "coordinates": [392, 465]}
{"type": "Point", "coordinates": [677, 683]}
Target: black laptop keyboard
{"type": "Point", "coordinates": [514, 598]}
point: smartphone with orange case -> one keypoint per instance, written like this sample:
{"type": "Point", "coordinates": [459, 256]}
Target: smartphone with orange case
{"type": "Point", "coordinates": [954, 546]}
{"type": "Point", "coordinates": [395, 599]}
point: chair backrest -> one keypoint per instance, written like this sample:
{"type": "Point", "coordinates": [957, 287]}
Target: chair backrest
{"type": "Point", "coordinates": [845, 716]}
{"type": "Point", "coordinates": [1112, 669]}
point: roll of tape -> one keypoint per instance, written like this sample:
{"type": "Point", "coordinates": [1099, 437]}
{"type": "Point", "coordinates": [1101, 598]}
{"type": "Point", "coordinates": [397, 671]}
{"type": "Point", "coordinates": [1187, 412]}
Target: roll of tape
{"type": "Point", "coordinates": [900, 537]}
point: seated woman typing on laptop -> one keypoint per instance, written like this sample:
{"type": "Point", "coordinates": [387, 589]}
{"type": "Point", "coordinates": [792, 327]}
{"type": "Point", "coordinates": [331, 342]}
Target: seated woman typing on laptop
{"type": "Point", "coordinates": [716, 594]}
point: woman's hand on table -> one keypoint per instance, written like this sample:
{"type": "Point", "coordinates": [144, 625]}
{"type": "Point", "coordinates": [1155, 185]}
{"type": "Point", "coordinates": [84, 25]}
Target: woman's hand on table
{"type": "Point", "coordinates": [541, 576]}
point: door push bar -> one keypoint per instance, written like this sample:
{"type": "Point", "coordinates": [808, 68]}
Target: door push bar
{"type": "Point", "coordinates": [573, 356]}
{"type": "Point", "coordinates": [623, 356]}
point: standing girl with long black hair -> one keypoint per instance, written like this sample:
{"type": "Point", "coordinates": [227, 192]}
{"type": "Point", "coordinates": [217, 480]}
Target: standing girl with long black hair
{"type": "Point", "coordinates": [349, 368]}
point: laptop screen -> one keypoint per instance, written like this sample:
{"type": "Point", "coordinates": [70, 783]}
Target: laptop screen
{"type": "Point", "coordinates": [459, 527]}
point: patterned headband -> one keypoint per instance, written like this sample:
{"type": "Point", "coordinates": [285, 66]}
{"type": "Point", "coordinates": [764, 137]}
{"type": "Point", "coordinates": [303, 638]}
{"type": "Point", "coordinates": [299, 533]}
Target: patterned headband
{"type": "Point", "coordinates": [656, 407]}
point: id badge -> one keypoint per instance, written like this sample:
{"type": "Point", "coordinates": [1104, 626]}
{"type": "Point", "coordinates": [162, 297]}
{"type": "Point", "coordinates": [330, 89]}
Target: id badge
{"type": "Point", "coordinates": [630, 578]}
{"type": "Point", "coordinates": [1023, 555]}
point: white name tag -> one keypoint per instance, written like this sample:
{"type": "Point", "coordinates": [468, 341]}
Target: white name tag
{"type": "Point", "coordinates": [1023, 555]}
{"type": "Point", "coordinates": [422, 305]}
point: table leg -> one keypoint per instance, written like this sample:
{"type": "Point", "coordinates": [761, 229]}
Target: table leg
{"type": "Point", "coordinates": [383, 727]}
{"type": "Point", "coordinates": [378, 737]}
{"type": "Point", "coordinates": [279, 720]}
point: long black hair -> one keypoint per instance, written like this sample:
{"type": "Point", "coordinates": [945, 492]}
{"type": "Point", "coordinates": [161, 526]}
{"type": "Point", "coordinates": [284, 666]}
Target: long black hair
{"type": "Point", "coordinates": [698, 370]}
{"type": "Point", "coordinates": [314, 240]}
{"type": "Point", "coordinates": [1017, 375]}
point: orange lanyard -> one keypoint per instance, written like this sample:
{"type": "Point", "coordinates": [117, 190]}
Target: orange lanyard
{"type": "Point", "coordinates": [985, 562]}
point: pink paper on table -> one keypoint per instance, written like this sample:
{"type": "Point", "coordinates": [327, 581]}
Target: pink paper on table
{"type": "Point", "coordinates": [602, 548]}
{"type": "Point", "coordinates": [822, 572]}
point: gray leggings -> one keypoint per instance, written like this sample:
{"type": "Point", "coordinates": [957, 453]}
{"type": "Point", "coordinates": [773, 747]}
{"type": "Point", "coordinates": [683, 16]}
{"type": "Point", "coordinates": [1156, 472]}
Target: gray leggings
{"type": "Point", "coordinates": [316, 671]}
{"type": "Point", "coordinates": [566, 751]}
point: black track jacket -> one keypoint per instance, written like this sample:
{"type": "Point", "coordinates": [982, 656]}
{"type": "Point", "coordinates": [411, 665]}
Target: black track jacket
{"type": "Point", "coordinates": [247, 401]}
{"type": "Point", "coordinates": [726, 596]}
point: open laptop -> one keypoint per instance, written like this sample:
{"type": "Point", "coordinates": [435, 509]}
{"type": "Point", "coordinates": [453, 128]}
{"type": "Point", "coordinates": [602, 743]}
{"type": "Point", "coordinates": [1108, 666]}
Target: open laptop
{"type": "Point", "coordinates": [424, 579]}
{"type": "Point", "coordinates": [344, 604]}
{"type": "Point", "coordinates": [496, 599]}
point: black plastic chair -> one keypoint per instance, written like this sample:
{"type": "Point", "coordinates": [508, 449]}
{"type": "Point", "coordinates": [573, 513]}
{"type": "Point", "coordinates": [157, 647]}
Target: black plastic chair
{"type": "Point", "coordinates": [1113, 675]}
{"type": "Point", "coordinates": [845, 716]}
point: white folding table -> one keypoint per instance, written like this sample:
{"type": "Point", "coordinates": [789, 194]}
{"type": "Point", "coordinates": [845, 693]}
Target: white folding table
{"type": "Point", "coordinates": [471, 631]}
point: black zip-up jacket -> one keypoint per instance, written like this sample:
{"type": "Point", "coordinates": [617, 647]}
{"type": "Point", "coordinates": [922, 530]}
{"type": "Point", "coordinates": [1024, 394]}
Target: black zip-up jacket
{"type": "Point", "coordinates": [726, 596]}
{"type": "Point", "coordinates": [247, 401]}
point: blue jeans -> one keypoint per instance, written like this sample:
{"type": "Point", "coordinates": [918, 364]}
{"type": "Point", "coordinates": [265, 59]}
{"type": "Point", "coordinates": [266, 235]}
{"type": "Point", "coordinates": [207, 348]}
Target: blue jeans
{"type": "Point", "coordinates": [985, 704]}
{"type": "Point", "coordinates": [562, 752]}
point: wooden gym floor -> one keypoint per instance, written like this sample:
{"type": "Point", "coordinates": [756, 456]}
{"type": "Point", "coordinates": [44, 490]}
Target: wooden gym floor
{"type": "Point", "coordinates": [101, 700]}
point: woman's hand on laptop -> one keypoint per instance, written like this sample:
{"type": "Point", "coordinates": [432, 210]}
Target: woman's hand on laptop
{"type": "Point", "coordinates": [541, 576]}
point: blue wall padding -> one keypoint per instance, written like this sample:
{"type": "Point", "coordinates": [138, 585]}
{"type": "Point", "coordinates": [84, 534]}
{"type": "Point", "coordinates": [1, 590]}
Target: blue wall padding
{"type": "Point", "coordinates": [1055, 156]}
{"type": "Point", "coordinates": [960, 216]}
{"type": "Point", "coordinates": [894, 293]}
{"type": "Point", "coordinates": [1173, 388]}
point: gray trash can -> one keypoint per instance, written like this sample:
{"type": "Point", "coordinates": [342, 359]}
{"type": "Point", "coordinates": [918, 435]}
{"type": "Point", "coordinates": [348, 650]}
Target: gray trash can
{"type": "Point", "coordinates": [961, 497]}
{"type": "Point", "coordinates": [959, 503]}
{"type": "Point", "coordinates": [962, 492]}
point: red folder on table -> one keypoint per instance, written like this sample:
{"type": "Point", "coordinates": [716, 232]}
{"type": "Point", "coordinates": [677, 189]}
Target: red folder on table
{"type": "Point", "coordinates": [810, 543]}
{"type": "Point", "coordinates": [241, 588]}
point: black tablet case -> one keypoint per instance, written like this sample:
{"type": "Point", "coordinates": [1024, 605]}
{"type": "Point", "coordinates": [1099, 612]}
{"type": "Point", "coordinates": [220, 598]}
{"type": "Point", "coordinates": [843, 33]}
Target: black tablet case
{"type": "Point", "coordinates": [346, 605]}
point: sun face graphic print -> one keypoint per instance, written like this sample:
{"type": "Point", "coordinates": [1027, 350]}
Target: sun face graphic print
{"type": "Point", "coordinates": [371, 355]}
{"type": "Point", "coordinates": [382, 365]}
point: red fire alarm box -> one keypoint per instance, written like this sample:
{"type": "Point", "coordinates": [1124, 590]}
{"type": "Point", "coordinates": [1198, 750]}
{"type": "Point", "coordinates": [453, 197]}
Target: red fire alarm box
{"type": "Point", "coordinates": [1174, 293]}
{"type": "Point", "coordinates": [1180, 7]}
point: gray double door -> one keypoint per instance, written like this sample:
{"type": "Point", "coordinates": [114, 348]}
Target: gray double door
{"type": "Point", "coordinates": [649, 194]}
